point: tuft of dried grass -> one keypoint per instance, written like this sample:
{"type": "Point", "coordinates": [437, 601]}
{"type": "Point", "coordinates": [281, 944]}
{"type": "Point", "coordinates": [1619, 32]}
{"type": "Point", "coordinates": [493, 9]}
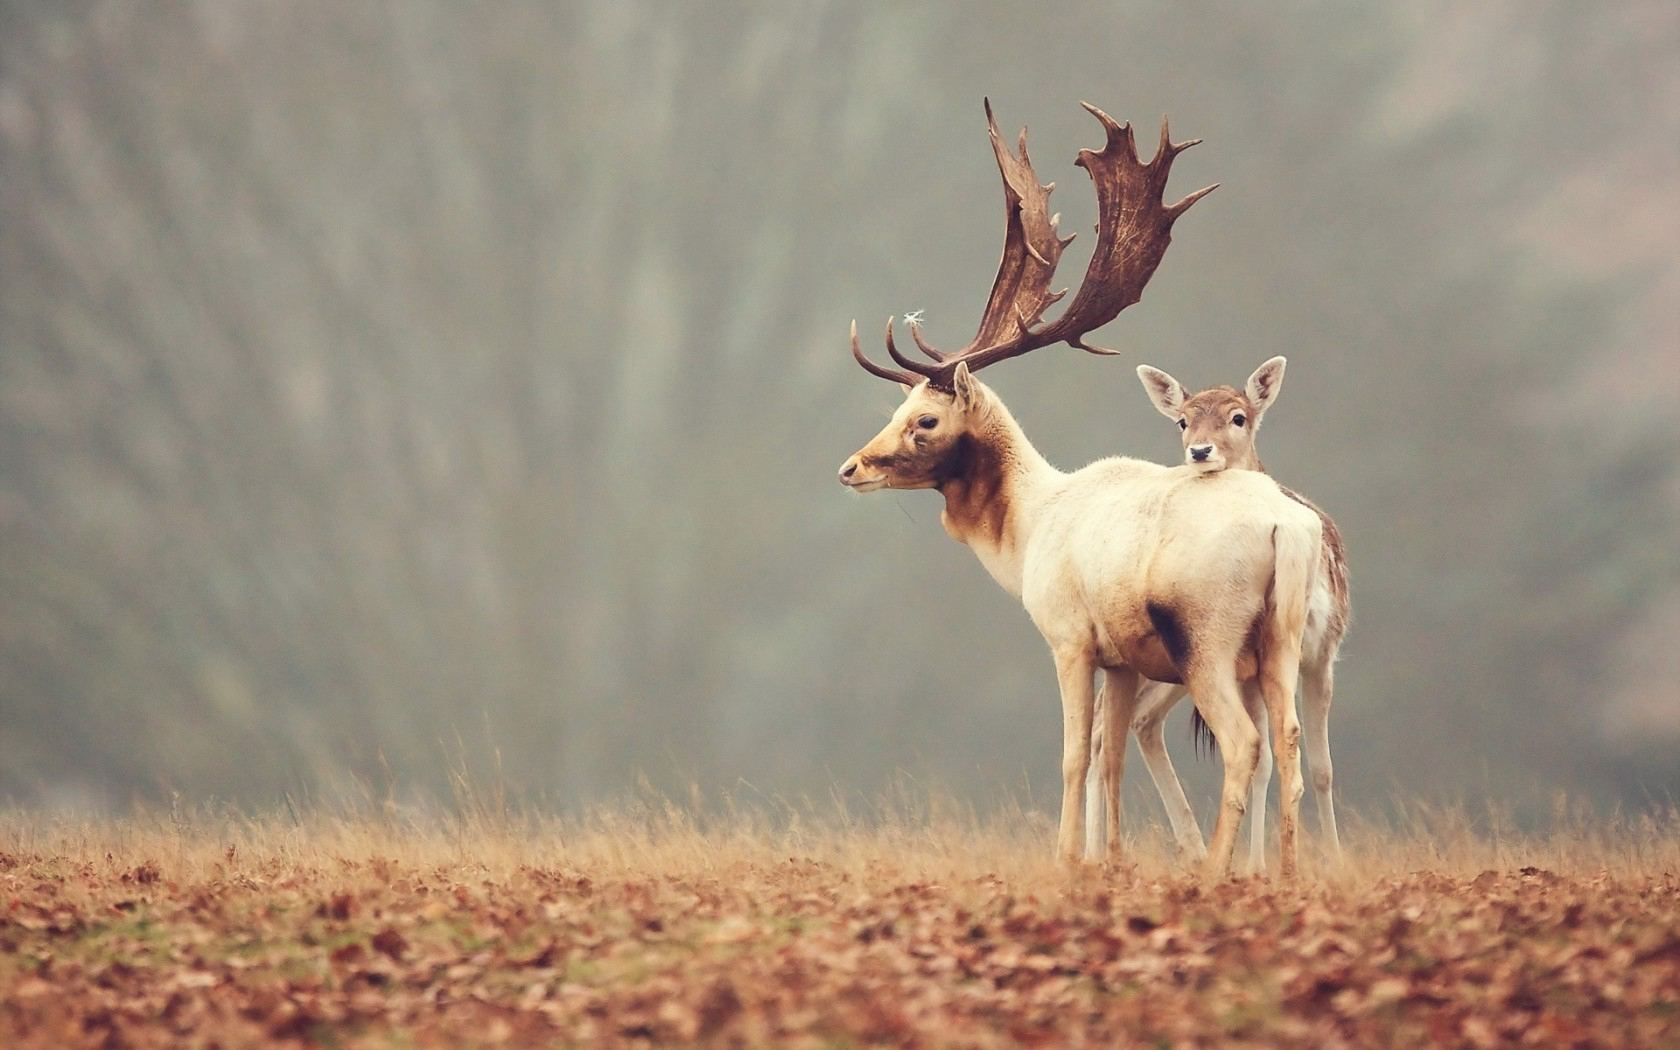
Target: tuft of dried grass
{"type": "Point", "coordinates": [903, 837]}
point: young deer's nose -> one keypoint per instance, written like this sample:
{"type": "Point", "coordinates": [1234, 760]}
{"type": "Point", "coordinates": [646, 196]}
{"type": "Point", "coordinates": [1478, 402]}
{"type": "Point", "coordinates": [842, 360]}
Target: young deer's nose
{"type": "Point", "coordinates": [1200, 453]}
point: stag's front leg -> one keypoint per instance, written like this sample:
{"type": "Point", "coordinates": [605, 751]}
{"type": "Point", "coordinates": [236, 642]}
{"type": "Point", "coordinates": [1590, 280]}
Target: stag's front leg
{"type": "Point", "coordinates": [1074, 671]}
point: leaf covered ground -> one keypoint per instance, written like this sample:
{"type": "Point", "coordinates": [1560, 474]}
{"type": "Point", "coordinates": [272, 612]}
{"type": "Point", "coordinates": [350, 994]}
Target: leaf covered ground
{"type": "Point", "coordinates": [631, 932]}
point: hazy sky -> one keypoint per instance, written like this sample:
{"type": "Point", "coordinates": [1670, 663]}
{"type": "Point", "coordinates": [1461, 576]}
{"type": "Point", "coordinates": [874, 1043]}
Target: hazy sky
{"type": "Point", "coordinates": [387, 388]}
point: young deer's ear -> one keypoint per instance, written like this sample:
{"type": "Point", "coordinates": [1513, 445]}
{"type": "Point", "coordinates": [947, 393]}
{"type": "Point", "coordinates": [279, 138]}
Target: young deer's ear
{"type": "Point", "coordinates": [1263, 386]}
{"type": "Point", "coordinates": [1166, 392]}
{"type": "Point", "coordinates": [965, 386]}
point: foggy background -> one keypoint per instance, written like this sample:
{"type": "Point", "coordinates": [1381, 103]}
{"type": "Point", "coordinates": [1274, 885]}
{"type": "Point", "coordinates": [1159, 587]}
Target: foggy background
{"type": "Point", "coordinates": [386, 387]}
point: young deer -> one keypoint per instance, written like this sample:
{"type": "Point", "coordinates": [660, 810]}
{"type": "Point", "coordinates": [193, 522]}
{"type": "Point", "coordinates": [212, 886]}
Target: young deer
{"type": "Point", "coordinates": [1125, 566]}
{"type": "Point", "coordinates": [1219, 427]}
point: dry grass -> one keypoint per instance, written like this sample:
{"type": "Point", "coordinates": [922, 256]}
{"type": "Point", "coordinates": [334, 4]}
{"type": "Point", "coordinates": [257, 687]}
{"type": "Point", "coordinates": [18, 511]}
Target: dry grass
{"type": "Point", "coordinates": [920, 924]}
{"type": "Point", "coordinates": [908, 835]}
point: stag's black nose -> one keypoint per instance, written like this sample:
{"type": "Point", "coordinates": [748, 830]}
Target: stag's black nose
{"type": "Point", "coordinates": [848, 470]}
{"type": "Point", "coordinates": [1200, 453]}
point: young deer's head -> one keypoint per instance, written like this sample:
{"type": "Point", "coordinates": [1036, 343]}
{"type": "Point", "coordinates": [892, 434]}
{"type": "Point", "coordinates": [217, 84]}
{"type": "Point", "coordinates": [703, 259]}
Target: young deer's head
{"type": "Point", "coordinates": [926, 441]}
{"type": "Point", "coordinates": [1219, 424]}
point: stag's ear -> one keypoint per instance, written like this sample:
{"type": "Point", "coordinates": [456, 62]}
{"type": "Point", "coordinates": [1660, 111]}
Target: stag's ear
{"type": "Point", "coordinates": [965, 387]}
{"type": "Point", "coordinates": [1264, 384]}
{"type": "Point", "coordinates": [1166, 392]}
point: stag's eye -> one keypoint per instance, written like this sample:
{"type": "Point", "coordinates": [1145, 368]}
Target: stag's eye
{"type": "Point", "coordinates": [1184, 424]}
{"type": "Point", "coordinates": [928, 422]}
{"type": "Point", "coordinates": [1238, 420]}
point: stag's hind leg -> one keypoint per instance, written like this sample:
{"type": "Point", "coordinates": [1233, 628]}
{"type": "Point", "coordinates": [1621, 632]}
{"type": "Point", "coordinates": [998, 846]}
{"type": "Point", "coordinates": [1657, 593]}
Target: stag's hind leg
{"type": "Point", "coordinates": [1095, 844]}
{"type": "Point", "coordinates": [1218, 698]}
{"type": "Point", "coordinates": [1154, 700]}
{"type": "Point", "coordinates": [1094, 809]}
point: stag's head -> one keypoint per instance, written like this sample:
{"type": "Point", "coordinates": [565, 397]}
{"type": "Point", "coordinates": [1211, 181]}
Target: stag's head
{"type": "Point", "coordinates": [925, 442]}
{"type": "Point", "coordinates": [1219, 424]}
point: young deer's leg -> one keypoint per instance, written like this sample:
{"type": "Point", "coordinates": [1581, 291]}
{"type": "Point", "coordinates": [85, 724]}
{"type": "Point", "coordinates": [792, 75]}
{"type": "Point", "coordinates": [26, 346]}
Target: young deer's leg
{"type": "Point", "coordinates": [1255, 705]}
{"type": "Point", "coordinates": [1120, 694]}
{"type": "Point", "coordinates": [1218, 698]}
{"type": "Point", "coordinates": [1154, 700]}
{"type": "Point", "coordinates": [1317, 686]}
{"type": "Point", "coordinates": [1074, 672]}
{"type": "Point", "coordinates": [1277, 682]}
{"type": "Point", "coordinates": [1095, 846]}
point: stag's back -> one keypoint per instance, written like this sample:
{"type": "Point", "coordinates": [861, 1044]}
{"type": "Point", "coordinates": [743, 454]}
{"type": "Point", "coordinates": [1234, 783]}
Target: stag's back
{"type": "Point", "coordinates": [1122, 534]}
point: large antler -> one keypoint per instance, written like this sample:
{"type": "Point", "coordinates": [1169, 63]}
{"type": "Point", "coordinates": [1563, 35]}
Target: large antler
{"type": "Point", "coordinates": [1133, 230]}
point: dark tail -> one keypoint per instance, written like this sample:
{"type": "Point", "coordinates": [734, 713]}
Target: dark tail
{"type": "Point", "coordinates": [1201, 734]}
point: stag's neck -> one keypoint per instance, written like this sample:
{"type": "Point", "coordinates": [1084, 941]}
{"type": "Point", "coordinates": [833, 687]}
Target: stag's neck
{"type": "Point", "coordinates": [994, 493]}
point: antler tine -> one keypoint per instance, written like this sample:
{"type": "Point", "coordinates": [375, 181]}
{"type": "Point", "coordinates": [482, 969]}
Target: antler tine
{"type": "Point", "coordinates": [1161, 166]}
{"type": "Point", "coordinates": [922, 345]}
{"type": "Point", "coordinates": [1101, 351]}
{"type": "Point", "coordinates": [1118, 134]}
{"type": "Point", "coordinates": [1164, 156]}
{"type": "Point", "coordinates": [1168, 146]}
{"type": "Point", "coordinates": [876, 370]}
{"type": "Point", "coordinates": [892, 352]}
{"type": "Point", "coordinates": [1175, 210]}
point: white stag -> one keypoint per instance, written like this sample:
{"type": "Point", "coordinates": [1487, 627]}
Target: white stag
{"type": "Point", "coordinates": [1125, 566]}
{"type": "Point", "coordinates": [1220, 427]}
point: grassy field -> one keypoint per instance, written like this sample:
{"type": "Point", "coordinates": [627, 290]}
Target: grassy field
{"type": "Point", "coordinates": [647, 925]}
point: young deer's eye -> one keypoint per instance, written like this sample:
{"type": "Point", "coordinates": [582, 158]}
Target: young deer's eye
{"type": "Point", "coordinates": [928, 422]}
{"type": "Point", "coordinates": [1238, 420]}
{"type": "Point", "coordinates": [1184, 424]}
